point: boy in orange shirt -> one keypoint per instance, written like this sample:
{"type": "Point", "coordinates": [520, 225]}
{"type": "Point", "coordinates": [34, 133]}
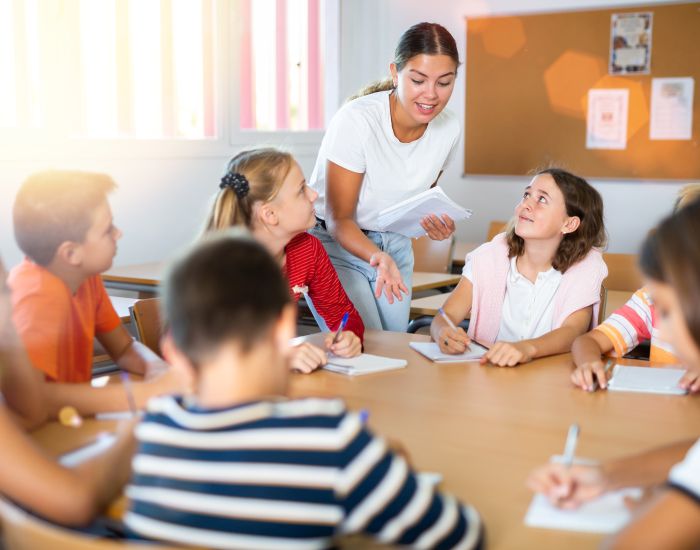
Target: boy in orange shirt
{"type": "Point", "coordinates": [63, 223]}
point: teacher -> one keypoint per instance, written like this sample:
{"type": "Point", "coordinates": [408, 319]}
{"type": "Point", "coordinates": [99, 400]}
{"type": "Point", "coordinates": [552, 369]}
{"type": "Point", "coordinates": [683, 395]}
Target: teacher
{"type": "Point", "coordinates": [390, 143]}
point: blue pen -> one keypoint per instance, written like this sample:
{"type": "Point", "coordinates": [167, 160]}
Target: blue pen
{"type": "Point", "coordinates": [343, 322]}
{"type": "Point", "coordinates": [126, 382]}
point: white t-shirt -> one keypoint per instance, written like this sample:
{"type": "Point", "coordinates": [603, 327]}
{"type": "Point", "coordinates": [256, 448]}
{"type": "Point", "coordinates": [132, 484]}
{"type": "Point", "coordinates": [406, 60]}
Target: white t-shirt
{"type": "Point", "coordinates": [528, 309]}
{"type": "Point", "coordinates": [360, 138]}
{"type": "Point", "coordinates": [686, 474]}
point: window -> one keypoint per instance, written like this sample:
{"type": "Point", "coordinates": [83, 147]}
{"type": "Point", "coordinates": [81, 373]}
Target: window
{"type": "Point", "coordinates": [108, 68]}
{"type": "Point", "coordinates": [282, 63]}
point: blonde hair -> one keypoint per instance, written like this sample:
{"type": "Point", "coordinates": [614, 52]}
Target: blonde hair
{"type": "Point", "coordinates": [265, 168]}
{"type": "Point", "coordinates": [687, 195]}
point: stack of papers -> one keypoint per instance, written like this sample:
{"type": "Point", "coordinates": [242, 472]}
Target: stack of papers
{"type": "Point", "coordinates": [432, 351]}
{"type": "Point", "coordinates": [405, 217]}
{"type": "Point", "coordinates": [647, 380]}
{"type": "Point", "coordinates": [365, 363]}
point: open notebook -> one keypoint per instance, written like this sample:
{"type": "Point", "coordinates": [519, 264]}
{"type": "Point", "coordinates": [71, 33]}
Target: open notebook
{"type": "Point", "coordinates": [432, 351]}
{"type": "Point", "coordinates": [647, 380]}
{"type": "Point", "coordinates": [365, 363]}
{"type": "Point", "coordinates": [405, 216]}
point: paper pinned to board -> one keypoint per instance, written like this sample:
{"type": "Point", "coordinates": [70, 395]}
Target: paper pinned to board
{"type": "Point", "coordinates": [404, 217]}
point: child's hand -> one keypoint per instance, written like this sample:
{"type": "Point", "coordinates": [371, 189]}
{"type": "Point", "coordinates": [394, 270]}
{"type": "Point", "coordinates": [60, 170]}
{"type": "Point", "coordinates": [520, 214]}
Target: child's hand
{"type": "Point", "coordinates": [587, 374]}
{"type": "Point", "coordinates": [567, 487]}
{"type": "Point", "coordinates": [508, 354]}
{"type": "Point", "coordinates": [438, 228]}
{"type": "Point", "coordinates": [307, 358]}
{"type": "Point", "coordinates": [348, 344]}
{"type": "Point", "coordinates": [453, 340]}
{"type": "Point", "coordinates": [690, 381]}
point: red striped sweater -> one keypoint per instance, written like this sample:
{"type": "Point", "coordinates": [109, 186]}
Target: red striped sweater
{"type": "Point", "coordinates": [308, 265]}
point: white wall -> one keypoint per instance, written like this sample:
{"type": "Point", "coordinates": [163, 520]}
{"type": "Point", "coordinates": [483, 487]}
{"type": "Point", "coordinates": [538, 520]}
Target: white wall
{"type": "Point", "coordinates": [162, 200]}
{"type": "Point", "coordinates": [632, 207]}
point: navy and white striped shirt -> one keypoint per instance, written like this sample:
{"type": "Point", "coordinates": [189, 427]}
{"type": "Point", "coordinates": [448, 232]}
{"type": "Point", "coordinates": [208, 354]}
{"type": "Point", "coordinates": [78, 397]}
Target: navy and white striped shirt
{"type": "Point", "coordinates": [281, 474]}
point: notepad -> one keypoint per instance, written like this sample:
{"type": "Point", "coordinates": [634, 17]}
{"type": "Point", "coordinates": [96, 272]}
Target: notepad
{"type": "Point", "coordinates": [365, 363]}
{"type": "Point", "coordinates": [647, 380]}
{"type": "Point", "coordinates": [605, 514]}
{"type": "Point", "coordinates": [405, 216]}
{"type": "Point", "coordinates": [100, 444]}
{"type": "Point", "coordinates": [432, 351]}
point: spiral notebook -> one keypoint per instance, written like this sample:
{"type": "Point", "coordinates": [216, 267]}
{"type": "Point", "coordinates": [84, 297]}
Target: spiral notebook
{"type": "Point", "coordinates": [365, 363]}
{"type": "Point", "coordinates": [432, 351]}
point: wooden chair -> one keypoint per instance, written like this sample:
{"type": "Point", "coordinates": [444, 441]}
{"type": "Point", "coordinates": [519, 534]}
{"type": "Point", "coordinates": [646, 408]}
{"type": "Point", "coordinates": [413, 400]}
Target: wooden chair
{"type": "Point", "coordinates": [623, 273]}
{"type": "Point", "coordinates": [432, 256]}
{"type": "Point", "coordinates": [145, 314]}
{"type": "Point", "coordinates": [495, 227]}
{"type": "Point", "coordinates": [24, 531]}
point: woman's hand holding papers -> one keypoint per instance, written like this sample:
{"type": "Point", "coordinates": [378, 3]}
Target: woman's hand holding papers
{"type": "Point", "coordinates": [438, 228]}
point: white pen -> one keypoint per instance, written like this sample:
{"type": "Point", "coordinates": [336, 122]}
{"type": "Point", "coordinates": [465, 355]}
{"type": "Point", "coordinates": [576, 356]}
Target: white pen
{"type": "Point", "coordinates": [446, 318]}
{"type": "Point", "coordinates": [570, 446]}
{"type": "Point", "coordinates": [608, 364]}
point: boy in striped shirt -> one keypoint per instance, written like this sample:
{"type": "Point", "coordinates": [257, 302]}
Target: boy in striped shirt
{"type": "Point", "coordinates": [236, 465]}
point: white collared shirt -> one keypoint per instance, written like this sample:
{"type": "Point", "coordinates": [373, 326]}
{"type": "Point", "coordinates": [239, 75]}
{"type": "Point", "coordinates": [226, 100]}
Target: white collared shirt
{"type": "Point", "coordinates": [528, 307]}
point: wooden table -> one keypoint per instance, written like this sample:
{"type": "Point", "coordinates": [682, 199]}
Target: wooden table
{"type": "Point", "coordinates": [484, 428]}
{"type": "Point", "coordinates": [428, 305]}
{"type": "Point", "coordinates": [460, 251]}
{"type": "Point", "coordinates": [145, 278]}
{"type": "Point", "coordinates": [423, 280]}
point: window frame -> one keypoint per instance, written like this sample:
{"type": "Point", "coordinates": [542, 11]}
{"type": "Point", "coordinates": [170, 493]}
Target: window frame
{"type": "Point", "coordinates": [51, 145]}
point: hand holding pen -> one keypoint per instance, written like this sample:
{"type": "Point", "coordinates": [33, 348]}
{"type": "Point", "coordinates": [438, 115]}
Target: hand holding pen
{"type": "Point", "coordinates": [453, 339]}
{"type": "Point", "coordinates": [343, 343]}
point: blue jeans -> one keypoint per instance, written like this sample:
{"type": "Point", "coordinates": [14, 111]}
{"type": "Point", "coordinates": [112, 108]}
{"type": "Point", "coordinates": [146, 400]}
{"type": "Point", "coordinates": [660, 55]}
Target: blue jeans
{"type": "Point", "coordinates": [359, 279]}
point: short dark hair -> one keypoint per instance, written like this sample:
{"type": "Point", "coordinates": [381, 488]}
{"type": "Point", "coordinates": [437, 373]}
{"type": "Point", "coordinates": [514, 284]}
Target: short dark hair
{"type": "Point", "coordinates": [581, 200]}
{"type": "Point", "coordinates": [56, 206]}
{"type": "Point", "coordinates": [228, 287]}
{"type": "Point", "coordinates": [671, 254]}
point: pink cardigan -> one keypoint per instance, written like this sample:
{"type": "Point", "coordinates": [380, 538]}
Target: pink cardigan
{"type": "Point", "coordinates": [579, 288]}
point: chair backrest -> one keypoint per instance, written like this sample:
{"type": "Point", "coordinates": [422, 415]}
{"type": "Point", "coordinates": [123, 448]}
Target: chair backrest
{"type": "Point", "coordinates": [495, 227]}
{"type": "Point", "coordinates": [145, 314]}
{"type": "Point", "coordinates": [623, 273]}
{"type": "Point", "coordinates": [615, 299]}
{"type": "Point", "coordinates": [24, 531]}
{"type": "Point", "coordinates": [433, 256]}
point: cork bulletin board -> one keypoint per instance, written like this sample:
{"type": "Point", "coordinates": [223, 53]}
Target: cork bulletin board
{"type": "Point", "coordinates": [527, 83]}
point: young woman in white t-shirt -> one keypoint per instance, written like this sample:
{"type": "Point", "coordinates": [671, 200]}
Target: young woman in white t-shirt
{"type": "Point", "coordinates": [670, 262]}
{"type": "Point", "coordinates": [383, 147]}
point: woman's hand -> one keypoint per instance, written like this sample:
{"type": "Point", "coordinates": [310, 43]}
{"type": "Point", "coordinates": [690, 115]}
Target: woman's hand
{"type": "Point", "coordinates": [348, 344]}
{"type": "Point", "coordinates": [307, 358]}
{"type": "Point", "coordinates": [438, 228]}
{"type": "Point", "coordinates": [509, 354]}
{"type": "Point", "coordinates": [453, 340]}
{"type": "Point", "coordinates": [388, 277]}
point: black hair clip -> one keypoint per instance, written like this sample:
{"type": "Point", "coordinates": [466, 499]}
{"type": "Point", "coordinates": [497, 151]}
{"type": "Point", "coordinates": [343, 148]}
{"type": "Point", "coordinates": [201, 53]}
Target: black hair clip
{"type": "Point", "coordinates": [237, 182]}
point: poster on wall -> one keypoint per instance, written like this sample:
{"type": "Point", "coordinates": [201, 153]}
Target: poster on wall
{"type": "Point", "coordinates": [630, 43]}
{"type": "Point", "coordinates": [606, 122]}
{"type": "Point", "coordinates": [671, 108]}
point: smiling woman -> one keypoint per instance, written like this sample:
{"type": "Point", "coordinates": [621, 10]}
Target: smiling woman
{"type": "Point", "coordinates": [391, 142]}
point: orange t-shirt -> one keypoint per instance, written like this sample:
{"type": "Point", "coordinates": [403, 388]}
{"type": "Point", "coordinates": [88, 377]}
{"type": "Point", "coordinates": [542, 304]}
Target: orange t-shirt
{"type": "Point", "coordinates": [57, 327]}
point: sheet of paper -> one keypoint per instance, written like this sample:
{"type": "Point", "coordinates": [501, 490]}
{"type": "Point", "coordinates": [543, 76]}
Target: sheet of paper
{"type": "Point", "coordinates": [671, 108]}
{"type": "Point", "coordinates": [606, 124]}
{"type": "Point", "coordinates": [630, 43]}
{"type": "Point", "coordinates": [404, 217]}
{"type": "Point", "coordinates": [646, 380]}
{"type": "Point", "coordinates": [606, 514]}
{"type": "Point", "coordinates": [365, 363]}
{"type": "Point", "coordinates": [432, 351]}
